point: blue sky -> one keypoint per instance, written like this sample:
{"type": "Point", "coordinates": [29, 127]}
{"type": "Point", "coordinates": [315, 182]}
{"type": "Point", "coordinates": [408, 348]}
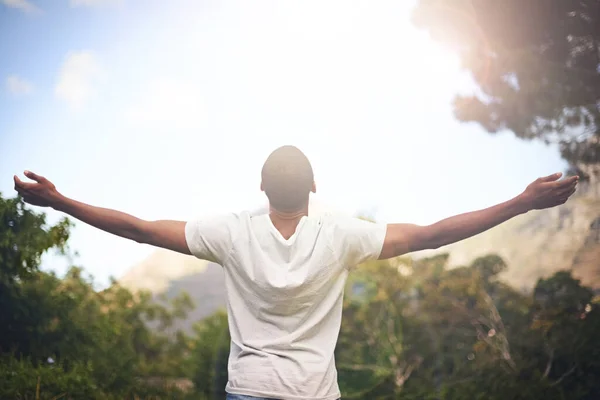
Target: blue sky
{"type": "Point", "coordinates": [168, 109]}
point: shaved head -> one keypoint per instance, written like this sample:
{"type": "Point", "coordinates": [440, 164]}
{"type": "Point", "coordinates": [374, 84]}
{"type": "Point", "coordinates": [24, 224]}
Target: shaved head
{"type": "Point", "coordinates": [287, 179]}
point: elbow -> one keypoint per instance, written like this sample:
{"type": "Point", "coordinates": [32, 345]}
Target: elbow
{"type": "Point", "coordinates": [140, 240]}
{"type": "Point", "coordinates": [437, 241]}
{"type": "Point", "coordinates": [428, 245]}
{"type": "Point", "coordinates": [440, 241]}
{"type": "Point", "coordinates": [433, 239]}
{"type": "Point", "coordinates": [435, 245]}
{"type": "Point", "coordinates": [139, 233]}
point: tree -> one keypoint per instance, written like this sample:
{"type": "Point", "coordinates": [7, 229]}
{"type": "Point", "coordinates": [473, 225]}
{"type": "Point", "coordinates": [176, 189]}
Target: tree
{"type": "Point", "coordinates": [372, 357]}
{"type": "Point", "coordinates": [78, 340]}
{"type": "Point", "coordinates": [536, 65]}
{"type": "Point", "coordinates": [24, 237]}
{"type": "Point", "coordinates": [567, 321]}
{"type": "Point", "coordinates": [210, 354]}
{"type": "Point", "coordinates": [418, 329]}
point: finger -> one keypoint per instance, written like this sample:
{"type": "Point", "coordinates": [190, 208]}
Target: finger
{"type": "Point", "coordinates": [20, 185]}
{"type": "Point", "coordinates": [18, 182]}
{"type": "Point", "coordinates": [34, 176]}
{"type": "Point", "coordinates": [564, 197]}
{"type": "Point", "coordinates": [551, 178]}
{"type": "Point", "coordinates": [567, 182]}
{"type": "Point", "coordinates": [566, 186]}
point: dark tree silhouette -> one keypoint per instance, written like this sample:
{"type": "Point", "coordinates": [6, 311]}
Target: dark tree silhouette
{"type": "Point", "coordinates": [536, 64]}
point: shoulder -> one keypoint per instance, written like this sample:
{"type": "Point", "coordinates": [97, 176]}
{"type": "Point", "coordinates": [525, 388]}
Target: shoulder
{"type": "Point", "coordinates": [355, 240]}
{"type": "Point", "coordinates": [217, 220]}
{"type": "Point", "coordinates": [353, 224]}
{"type": "Point", "coordinates": [212, 237]}
{"type": "Point", "coordinates": [352, 231]}
{"type": "Point", "coordinates": [214, 227]}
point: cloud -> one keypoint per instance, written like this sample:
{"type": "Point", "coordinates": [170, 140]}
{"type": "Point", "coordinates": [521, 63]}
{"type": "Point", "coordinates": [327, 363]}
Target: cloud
{"type": "Point", "coordinates": [18, 86]}
{"type": "Point", "coordinates": [93, 3]}
{"type": "Point", "coordinates": [78, 75]}
{"type": "Point", "coordinates": [168, 103]}
{"type": "Point", "coordinates": [22, 5]}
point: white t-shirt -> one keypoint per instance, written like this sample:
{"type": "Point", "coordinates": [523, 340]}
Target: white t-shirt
{"type": "Point", "coordinates": [284, 297]}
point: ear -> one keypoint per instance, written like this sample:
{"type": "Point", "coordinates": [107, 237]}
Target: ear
{"type": "Point", "coordinates": [314, 188]}
{"type": "Point", "coordinates": [262, 189]}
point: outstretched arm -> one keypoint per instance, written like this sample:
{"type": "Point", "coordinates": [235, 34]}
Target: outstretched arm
{"type": "Point", "coordinates": [166, 234]}
{"type": "Point", "coordinates": [543, 193]}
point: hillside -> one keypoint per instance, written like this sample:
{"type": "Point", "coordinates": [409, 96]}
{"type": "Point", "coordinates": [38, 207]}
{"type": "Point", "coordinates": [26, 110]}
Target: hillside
{"type": "Point", "coordinates": [533, 245]}
{"type": "Point", "coordinates": [540, 243]}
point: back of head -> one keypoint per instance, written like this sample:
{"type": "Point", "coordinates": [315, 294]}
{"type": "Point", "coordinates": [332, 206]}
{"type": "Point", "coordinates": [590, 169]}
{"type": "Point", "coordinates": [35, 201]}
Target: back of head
{"type": "Point", "coordinates": [287, 179]}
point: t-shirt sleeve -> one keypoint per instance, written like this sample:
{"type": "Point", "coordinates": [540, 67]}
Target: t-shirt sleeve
{"type": "Point", "coordinates": [358, 240]}
{"type": "Point", "coordinates": [212, 238]}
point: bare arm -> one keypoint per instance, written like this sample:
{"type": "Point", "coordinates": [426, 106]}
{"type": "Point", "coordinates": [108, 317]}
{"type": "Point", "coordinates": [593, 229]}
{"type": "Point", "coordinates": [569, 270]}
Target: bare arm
{"type": "Point", "coordinates": [543, 193]}
{"type": "Point", "coordinates": [165, 233]}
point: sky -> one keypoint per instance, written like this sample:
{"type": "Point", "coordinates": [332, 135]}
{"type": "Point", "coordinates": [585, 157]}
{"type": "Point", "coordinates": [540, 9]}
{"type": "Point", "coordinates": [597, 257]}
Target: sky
{"type": "Point", "coordinates": [167, 110]}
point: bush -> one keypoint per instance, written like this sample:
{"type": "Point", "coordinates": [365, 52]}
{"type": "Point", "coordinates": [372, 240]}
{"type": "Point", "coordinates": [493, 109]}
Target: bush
{"type": "Point", "coordinates": [23, 380]}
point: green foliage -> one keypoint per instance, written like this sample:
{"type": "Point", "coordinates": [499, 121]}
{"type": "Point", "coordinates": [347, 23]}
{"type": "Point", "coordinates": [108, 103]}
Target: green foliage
{"type": "Point", "coordinates": [95, 341]}
{"type": "Point", "coordinates": [24, 237]}
{"type": "Point", "coordinates": [20, 379]}
{"type": "Point", "coordinates": [536, 64]}
{"type": "Point", "coordinates": [210, 354]}
{"type": "Point", "coordinates": [438, 333]}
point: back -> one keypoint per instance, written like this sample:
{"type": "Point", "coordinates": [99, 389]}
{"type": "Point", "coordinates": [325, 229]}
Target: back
{"type": "Point", "coordinates": [284, 297]}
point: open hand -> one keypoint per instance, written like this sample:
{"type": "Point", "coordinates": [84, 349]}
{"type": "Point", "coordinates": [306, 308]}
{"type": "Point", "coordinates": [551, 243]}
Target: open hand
{"type": "Point", "coordinates": [41, 193]}
{"type": "Point", "coordinates": [549, 191]}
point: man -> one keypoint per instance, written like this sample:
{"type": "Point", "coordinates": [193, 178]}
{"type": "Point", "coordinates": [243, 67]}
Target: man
{"type": "Point", "coordinates": [285, 271]}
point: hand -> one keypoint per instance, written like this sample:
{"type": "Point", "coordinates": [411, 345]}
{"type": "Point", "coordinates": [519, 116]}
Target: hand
{"type": "Point", "coordinates": [41, 193]}
{"type": "Point", "coordinates": [548, 192]}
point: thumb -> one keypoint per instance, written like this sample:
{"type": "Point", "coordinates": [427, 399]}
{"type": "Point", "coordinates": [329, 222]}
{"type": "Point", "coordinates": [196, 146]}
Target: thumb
{"type": "Point", "coordinates": [35, 177]}
{"type": "Point", "coordinates": [551, 178]}
{"type": "Point", "coordinates": [19, 184]}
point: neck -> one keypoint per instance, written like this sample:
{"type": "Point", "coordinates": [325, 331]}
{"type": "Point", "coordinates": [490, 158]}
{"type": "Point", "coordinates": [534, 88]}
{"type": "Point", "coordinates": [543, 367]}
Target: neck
{"type": "Point", "coordinates": [288, 216]}
{"type": "Point", "coordinates": [287, 222]}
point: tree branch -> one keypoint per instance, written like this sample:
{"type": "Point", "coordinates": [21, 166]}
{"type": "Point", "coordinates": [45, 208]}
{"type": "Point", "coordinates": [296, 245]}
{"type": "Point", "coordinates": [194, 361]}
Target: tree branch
{"type": "Point", "coordinates": [563, 376]}
{"type": "Point", "coordinates": [361, 367]}
{"type": "Point", "coordinates": [549, 364]}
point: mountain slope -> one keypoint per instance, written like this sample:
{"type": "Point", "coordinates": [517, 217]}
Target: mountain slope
{"type": "Point", "coordinates": [540, 243]}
